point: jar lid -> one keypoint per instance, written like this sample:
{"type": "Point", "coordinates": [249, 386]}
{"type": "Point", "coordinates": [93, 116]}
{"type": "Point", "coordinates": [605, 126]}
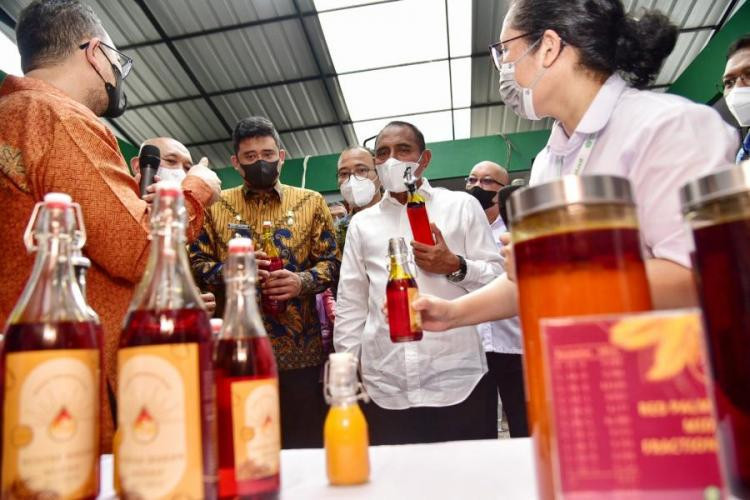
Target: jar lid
{"type": "Point", "coordinates": [727, 182]}
{"type": "Point", "coordinates": [569, 190]}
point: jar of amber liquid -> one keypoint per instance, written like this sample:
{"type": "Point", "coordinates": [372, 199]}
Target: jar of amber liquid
{"type": "Point", "coordinates": [718, 209]}
{"type": "Point", "coordinates": [578, 252]}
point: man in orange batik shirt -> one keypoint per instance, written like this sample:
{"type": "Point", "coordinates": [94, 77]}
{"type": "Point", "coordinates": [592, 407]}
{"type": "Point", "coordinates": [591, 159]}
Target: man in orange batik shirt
{"type": "Point", "coordinates": [51, 140]}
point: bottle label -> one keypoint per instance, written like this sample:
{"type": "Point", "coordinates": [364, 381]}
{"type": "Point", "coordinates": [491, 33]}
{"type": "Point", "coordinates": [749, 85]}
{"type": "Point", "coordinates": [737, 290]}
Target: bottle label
{"type": "Point", "coordinates": [159, 421]}
{"type": "Point", "coordinates": [256, 428]}
{"type": "Point", "coordinates": [51, 424]}
{"type": "Point", "coordinates": [415, 319]}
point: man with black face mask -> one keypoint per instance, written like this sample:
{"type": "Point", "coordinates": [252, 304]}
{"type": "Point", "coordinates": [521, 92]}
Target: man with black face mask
{"type": "Point", "coordinates": [501, 339]}
{"type": "Point", "coordinates": [304, 236]}
{"type": "Point", "coordinates": [51, 140]}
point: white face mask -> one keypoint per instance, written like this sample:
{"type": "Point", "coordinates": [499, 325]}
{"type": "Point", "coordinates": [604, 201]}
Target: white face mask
{"type": "Point", "coordinates": [391, 173]}
{"type": "Point", "coordinates": [171, 174]}
{"type": "Point", "coordinates": [519, 99]}
{"type": "Point", "coordinates": [358, 192]}
{"type": "Point", "coordinates": [738, 102]}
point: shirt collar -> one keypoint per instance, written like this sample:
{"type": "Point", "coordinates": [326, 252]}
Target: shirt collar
{"type": "Point", "coordinates": [277, 189]}
{"type": "Point", "coordinates": [20, 83]}
{"type": "Point", "coordinates": [594, 120]}
{"type": "Point", "coordinates": [425, 190]}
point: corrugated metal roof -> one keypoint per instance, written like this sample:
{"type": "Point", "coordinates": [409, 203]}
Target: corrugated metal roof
{"type": "Point", "coordinates": [227, 59]}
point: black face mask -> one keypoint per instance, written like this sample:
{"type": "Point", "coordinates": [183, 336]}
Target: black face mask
{"type": "Point", "coordinates": [483, 196]}
{"type": "Point", "coordinates": [261, 174]}
{"type": "Point", "coordinates": [117, 100]}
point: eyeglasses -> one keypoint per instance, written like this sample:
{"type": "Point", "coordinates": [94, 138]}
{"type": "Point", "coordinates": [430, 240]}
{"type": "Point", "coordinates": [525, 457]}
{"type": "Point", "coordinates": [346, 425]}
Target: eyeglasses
{"type": "Point", "coordinates": [360, 173]}
{"type": "Point", "coordinates": [498, 51]}
{"type": "Point", "coordinates": [484, 182]}
{"type": "Point", "coordinates": [125, 62]}
{"type": "Point", "coordinates": [729, 82]}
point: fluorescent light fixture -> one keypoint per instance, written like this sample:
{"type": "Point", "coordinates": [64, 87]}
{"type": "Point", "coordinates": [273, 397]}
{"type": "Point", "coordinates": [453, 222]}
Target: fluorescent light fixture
{"type": "Point", "coordinates": [385, 34]}
{"type": "Point", "coordinates": [396, 91]}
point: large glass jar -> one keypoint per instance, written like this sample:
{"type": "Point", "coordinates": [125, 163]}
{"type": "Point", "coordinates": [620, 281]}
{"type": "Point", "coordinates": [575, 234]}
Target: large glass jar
{"type": "Point", "coordinates": [717, 207]}
{"type": "Point", "coordinates": [578, 252]}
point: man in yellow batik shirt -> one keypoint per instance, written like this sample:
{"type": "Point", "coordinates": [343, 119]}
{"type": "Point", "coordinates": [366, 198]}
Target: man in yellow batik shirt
{"type": "Point", "coordinates": [304, 236]}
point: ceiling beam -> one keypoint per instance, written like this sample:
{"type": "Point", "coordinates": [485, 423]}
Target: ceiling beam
{"type": "Point", "coordinates": [244, 25]}
{"type": "Point", "coordinates": [319, 68]}
{"type": "Point", "coordinates": [291, 81]}
{"type": "Point", "coordinates": [7, 19]}
{"type": "Point", "coordinates": [306, 128]}
{"type": "Point", "coordinates": [181, 61]}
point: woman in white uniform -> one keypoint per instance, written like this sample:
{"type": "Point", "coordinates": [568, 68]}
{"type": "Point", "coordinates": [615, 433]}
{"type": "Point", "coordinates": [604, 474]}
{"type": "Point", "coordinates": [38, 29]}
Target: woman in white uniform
{"type": "Point", "coordinates": [582, 62]}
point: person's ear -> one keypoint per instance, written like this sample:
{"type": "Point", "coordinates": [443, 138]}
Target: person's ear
{"type": "Point", "coordinates": [550, 47]}
{"type": "Point", "coordinates": [135, 165]}
{"type": "Point", "coordinates": [91, 52]}
{"type": "Point", "coordinates": [282, 157]}
{"type": "Point", "coordinates": [236, 163]}
{"type": "Point", "coordinates": [424, 162]}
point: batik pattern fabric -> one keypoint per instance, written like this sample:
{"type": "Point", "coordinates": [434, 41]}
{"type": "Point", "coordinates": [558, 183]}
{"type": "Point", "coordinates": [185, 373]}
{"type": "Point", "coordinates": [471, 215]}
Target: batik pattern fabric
{"type": "Point", "coordinates": [304, 235]}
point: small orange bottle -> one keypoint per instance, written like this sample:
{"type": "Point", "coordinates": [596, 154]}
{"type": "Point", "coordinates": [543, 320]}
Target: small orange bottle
{"type": "Point", "coordinates": [345, 430]}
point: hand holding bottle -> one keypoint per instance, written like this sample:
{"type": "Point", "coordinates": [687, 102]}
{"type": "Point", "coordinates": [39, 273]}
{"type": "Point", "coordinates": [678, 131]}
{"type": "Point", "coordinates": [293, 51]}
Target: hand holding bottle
{"type": "Point", "coordinates": [436, 258]}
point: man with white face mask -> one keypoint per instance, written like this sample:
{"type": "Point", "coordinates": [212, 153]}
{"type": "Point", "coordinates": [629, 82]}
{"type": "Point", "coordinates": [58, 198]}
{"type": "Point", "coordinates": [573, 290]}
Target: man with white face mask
{"type": "Point", "coordinates": [175, 159]}
{"type": "Point", "coordinates": [357, 178]}
{"type": "Point", "coordinates": [736, 83]}
{"type": "Point", "coordinates": [435, 389]}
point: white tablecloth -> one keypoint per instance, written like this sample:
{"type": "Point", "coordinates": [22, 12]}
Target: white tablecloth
{"type": "Point", "coordinates": [455, 470]}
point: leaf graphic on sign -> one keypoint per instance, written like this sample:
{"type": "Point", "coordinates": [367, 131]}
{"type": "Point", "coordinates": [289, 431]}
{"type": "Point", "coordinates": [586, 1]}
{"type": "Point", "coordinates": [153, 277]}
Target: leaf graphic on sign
{"type": "Point", "coordinates": [675, 339]}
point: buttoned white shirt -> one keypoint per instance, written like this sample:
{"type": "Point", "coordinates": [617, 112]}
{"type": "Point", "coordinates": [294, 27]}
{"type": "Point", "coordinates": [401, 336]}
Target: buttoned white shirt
{"type": "Point", "coordinates": [503, 336]}
{"type": "Point", "coordinates": [659, 142]}
{"type": "Point", "coordinates": [442, 368]}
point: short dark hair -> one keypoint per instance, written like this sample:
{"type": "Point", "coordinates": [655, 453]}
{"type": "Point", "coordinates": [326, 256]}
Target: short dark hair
{"type": "Point", "coordinates": [418, 135]}
{"type": "Point", "coordinates": [50, 30]}
{"type": "Point", "coordinates": [608, 39]}
{"type": "Point", "coordinates": [741, 43]}
{"type": "Point", "coordinates": [254, 126]}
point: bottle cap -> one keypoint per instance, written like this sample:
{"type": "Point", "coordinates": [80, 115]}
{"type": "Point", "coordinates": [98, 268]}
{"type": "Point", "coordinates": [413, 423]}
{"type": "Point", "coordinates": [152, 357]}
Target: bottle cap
{"type": "Point", "coordinates": [397, 246]}
{"type": "Point", "coordinates": [240, 245]}
{"type": "Point", "coordinates": [58, 200]}
{"type": "Point", "coordinates": [267, 223]}
{"type": "Point", "coordinates": [216, 325]}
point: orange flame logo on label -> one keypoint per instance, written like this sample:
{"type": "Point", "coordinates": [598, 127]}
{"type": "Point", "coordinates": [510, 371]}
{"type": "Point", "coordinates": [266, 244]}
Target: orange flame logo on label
{"type": "Point", "coordinates": [63, 426]}
{"type": "Point", "coordinates": [145, 427]}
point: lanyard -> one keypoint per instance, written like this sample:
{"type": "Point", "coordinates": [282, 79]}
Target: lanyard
{"type": "Point", "coordinates": [583, 155]}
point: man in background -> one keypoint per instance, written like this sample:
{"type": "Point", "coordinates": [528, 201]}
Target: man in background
{"type": "Point", "coordinates": [303, 234]}
{"type": "Point", "coordinates": [736, 84]}
{"type": "Point", "coordinates": [501, 339]}
{"type": "Point", "coordinates": [434, 389]}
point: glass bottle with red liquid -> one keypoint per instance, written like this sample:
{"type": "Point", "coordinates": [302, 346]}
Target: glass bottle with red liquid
{"type": "Point", "coordinates": [417, 211]}
{"type": "Point", "coordinates": [404, 322]}
{"type": "Point", "coordinates": [51, 368]}
{"type": "Point", "coordinates": [246, 386]}
{"type": "Point", "coordinates": [165, 446]}
{"type": "Point", "coordinates": [270, 306]}
{"type": "Point", "coordinates": [717, 207]}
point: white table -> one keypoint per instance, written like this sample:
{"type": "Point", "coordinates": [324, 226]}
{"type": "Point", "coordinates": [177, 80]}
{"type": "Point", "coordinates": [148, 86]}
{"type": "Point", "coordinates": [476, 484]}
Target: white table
{"type": "Point", "coordinates": [475, 470]}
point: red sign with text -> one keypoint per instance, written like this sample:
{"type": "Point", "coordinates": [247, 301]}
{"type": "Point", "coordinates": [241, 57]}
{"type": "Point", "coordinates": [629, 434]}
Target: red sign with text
{"type": "Point", "coordinates": [630, 411]}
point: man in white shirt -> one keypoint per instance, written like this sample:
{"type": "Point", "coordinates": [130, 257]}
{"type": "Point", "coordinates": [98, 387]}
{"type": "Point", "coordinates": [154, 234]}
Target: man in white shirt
{"type": "Point", "coordinates": [501, 339]}
{"type": "Point", "coordinates": [434, 389]}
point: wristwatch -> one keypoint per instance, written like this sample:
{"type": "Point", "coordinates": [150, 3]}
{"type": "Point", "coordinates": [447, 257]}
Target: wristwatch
{"type": "Point", "coordinates": [458, 276]}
